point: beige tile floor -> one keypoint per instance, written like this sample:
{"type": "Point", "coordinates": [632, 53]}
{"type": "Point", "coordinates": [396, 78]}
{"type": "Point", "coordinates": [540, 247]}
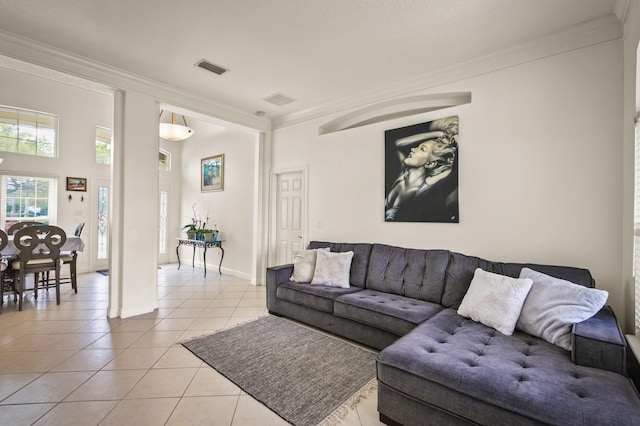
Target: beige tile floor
{"type": "Point", "coordinates": [71, 365]}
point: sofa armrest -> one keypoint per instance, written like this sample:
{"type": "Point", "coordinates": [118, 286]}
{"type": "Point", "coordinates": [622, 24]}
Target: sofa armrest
{"type": "Point", "coordinates": [598, 342]}
{"type": "Point", "coordinates": [276, 275]}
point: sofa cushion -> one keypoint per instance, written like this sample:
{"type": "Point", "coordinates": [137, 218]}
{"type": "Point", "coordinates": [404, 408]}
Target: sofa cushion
{"type": "Point", "coordinates": [418, 274]}
{"type": "Point", "coordinates": [313, 296]}
{"type": "Point", "coordinates": [461, 268]}
{"type": "Point", "coordinates": [388, 312]}
{"type": "Point", "coordinates": [360, 262]}
{"type": "Point", "coordinates": [519, 373]}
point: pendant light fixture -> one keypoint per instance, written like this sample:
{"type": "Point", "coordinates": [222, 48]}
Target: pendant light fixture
{"type": "Point", "coordinates": [175, 132]}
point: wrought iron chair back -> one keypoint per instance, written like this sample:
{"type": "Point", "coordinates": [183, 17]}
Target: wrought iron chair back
{"type": "Point", "coordinates": [4, 239]}
{"type": "Point", "coordinates": [70, 258]}
{"type": "Point", "coordinates": [39, 242]}
{"type": "Point", "coordinates": [18, 226]}
{"type": "Point", "coordinates": [79, 229]}
{"type": "Point", "coordinates": [39, 247]}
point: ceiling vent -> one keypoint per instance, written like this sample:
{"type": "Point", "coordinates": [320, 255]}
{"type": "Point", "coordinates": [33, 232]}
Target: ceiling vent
{"type": "Point", "coordinates": [211, 67]}
{"type": "Point", "coordinates": [279, 99]}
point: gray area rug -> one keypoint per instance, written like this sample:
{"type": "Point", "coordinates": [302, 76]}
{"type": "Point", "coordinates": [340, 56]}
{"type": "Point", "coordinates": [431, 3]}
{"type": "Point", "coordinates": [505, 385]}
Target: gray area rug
{"type": "Point", "coordinates": [304, 376]}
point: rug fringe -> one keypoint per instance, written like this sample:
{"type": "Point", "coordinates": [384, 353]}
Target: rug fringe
{"type": "Point", "coordinates": [341, 412]}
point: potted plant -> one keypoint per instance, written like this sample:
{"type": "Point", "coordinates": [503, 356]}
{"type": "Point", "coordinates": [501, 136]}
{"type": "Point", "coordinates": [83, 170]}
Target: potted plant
{"type": "Point", "coordinates": [190, 229]}
{"type": "Point", "coordinates": [197, 228]}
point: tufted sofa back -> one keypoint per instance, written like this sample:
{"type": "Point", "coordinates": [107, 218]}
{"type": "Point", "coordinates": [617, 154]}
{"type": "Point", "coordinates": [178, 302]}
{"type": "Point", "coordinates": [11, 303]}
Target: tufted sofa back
{"type": "Point", "coordinates": [418, 274]}
{"type": "Point", "coordinates": [437, 276]}
{"type": "Point", "coordinates": [461, 268]}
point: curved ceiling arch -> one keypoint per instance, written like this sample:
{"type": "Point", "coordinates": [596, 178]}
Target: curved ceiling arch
{"type": "Point", "coordinates": [395, 108]}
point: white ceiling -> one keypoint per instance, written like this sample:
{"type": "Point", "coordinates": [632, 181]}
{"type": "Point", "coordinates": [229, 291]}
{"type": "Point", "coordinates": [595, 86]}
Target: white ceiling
{"type": "Point", "coordinates": [314, 51]}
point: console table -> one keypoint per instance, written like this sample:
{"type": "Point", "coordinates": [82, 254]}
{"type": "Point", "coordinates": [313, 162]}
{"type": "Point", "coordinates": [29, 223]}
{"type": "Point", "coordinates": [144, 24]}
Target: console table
{"type": "Point", "coordinates": [203, 245]}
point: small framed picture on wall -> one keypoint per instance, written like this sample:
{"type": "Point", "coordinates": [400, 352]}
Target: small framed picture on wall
{"type": "Point", "coordinates": [212, 173]}
{"type": "Point", "coordinates": [76, 184]}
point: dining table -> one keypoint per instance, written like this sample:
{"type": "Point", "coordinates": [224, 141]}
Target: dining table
{"type": "Point", "coordinates": [73, 243]}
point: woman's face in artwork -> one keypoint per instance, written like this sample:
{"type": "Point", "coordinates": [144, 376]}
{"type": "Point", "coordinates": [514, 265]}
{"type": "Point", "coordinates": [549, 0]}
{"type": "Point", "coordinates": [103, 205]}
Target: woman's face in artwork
{"type": "Point", "coordinates": [420, 155]}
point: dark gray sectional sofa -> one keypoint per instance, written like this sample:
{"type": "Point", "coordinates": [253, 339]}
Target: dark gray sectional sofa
{"type": "Point", "coordinates": [439, 368]}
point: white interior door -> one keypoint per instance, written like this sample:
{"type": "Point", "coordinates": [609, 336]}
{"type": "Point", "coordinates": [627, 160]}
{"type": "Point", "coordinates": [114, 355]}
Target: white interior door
{"type": "Point", "coordinates": [290, 215]}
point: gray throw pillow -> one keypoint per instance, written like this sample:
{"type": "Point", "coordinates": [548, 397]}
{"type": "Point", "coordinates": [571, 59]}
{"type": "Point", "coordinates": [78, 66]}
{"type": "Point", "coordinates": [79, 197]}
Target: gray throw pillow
{"type": "Point", "coordinates": [494, 300]}
{"type": "Point", "coordinates": [333, 269]}
{"type": "Point", "coordinates": [554, 305]}
{"type": "Point", "coordinates": [304, 264]}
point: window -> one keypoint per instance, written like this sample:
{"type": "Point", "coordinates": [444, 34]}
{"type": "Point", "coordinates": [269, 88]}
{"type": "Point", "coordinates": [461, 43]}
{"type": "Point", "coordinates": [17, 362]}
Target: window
{"type": "Point", "coordinates": [28, 132]}
{"type": "Point", "coordinates": [103, 145]}
{"type": "Point", "coordinates": [28, 198]}
{"type": "Point", "coordinates": [103, 223]}
{"type": "Point", "coordinates": [163, 222]}
{"type": "Point", "coordinates": [165, 160]}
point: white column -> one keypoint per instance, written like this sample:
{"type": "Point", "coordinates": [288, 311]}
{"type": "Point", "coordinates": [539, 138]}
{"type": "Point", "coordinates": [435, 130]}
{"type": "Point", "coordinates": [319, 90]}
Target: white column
{"type": "Point", "coordinates": [133, 269]}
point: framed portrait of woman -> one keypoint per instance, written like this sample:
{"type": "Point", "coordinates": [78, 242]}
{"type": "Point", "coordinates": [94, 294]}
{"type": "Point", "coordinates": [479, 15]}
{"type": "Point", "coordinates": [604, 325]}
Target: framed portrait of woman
{"type": "Point", "coordinates": [421, 172]}
{"type": "Point", "coordinates": [212, 173]}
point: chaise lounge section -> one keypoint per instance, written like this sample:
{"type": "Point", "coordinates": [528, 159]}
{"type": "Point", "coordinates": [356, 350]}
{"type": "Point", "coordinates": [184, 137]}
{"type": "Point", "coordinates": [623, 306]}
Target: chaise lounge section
{"type": "Point", "coordinates": [439, 367]}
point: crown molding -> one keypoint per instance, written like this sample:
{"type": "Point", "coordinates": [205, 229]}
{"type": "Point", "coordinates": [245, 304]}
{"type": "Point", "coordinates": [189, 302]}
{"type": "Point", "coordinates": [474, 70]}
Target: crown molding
{"type": "Point", "coordinates": [577, 37]}
{"type": "Point", "coordinates": [622, 10]}
{"type": "Point", "coordinates": [111, 78]}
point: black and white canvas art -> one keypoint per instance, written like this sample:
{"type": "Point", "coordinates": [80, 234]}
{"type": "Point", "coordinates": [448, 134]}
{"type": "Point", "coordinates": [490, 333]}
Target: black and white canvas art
{"type": "Point", "coordinates": [421, 172]}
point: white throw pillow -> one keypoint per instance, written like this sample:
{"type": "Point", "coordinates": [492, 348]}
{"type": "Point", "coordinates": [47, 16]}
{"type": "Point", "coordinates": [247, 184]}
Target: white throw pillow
{"type": "Point", "coordinates": [304, 264]}
{"type": "Point", "coordinates": [333, 269]}
{"type": "Point", "coordinates": [495, 300]}
{"type": "Point", "coordinates": [554, 305]}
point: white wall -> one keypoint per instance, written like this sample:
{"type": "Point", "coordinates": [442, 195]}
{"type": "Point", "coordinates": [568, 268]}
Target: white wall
{"type": "Point", "coordinates": [540, 174]}
{"type": "Point", "coordinates": [79, 111]}
{"type": "Point", "coordinates": [232, 209]}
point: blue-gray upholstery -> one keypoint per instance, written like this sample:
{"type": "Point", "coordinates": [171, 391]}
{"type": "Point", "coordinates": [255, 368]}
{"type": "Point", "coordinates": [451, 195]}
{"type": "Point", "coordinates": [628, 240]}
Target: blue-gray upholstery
{"type": "Point", "coordinates": [450, 360]}
{"type": "Point", "coordinates": [594, 344]}
{"type": "Point", "coordinates": [390, 312]}
{"type": "Point", "coordinates": [461, 267]}
{"type": "Point", "coordinates": [313, 296]}
{"type": "Point", "coordinates": [418, 274]}
{"type": "Point", "coordinates": [438, 368]}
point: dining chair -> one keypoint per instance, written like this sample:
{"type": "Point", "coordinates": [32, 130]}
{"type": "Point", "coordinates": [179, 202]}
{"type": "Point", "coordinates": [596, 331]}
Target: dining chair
{"type": "Point", "coordinates": [39, 252]}
{"type": "Point", "coordinates": [3, 266]}
{"type": "Point", "coordinates": [19, 225]}
{"type": "Point", "coordinates": [69, 258]}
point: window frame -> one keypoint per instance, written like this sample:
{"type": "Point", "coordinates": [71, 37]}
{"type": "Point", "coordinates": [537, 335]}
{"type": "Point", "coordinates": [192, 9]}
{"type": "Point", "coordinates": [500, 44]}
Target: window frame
{"type": "Point", "coordinates": [102, 141]}
{"type": "Point", "coordinates": [24, 111]}
{"type": "Point", "coordinates": [52, 199]}
{"type": "Point", "coordinates": [168, 162]}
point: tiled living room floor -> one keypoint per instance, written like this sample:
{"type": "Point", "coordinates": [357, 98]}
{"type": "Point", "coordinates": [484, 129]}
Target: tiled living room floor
{"type": "Point", "coordinates": [70, 365]}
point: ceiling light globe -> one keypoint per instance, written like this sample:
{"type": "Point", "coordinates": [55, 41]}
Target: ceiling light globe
{"type": "Point", "coordinates": [175, 132]}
